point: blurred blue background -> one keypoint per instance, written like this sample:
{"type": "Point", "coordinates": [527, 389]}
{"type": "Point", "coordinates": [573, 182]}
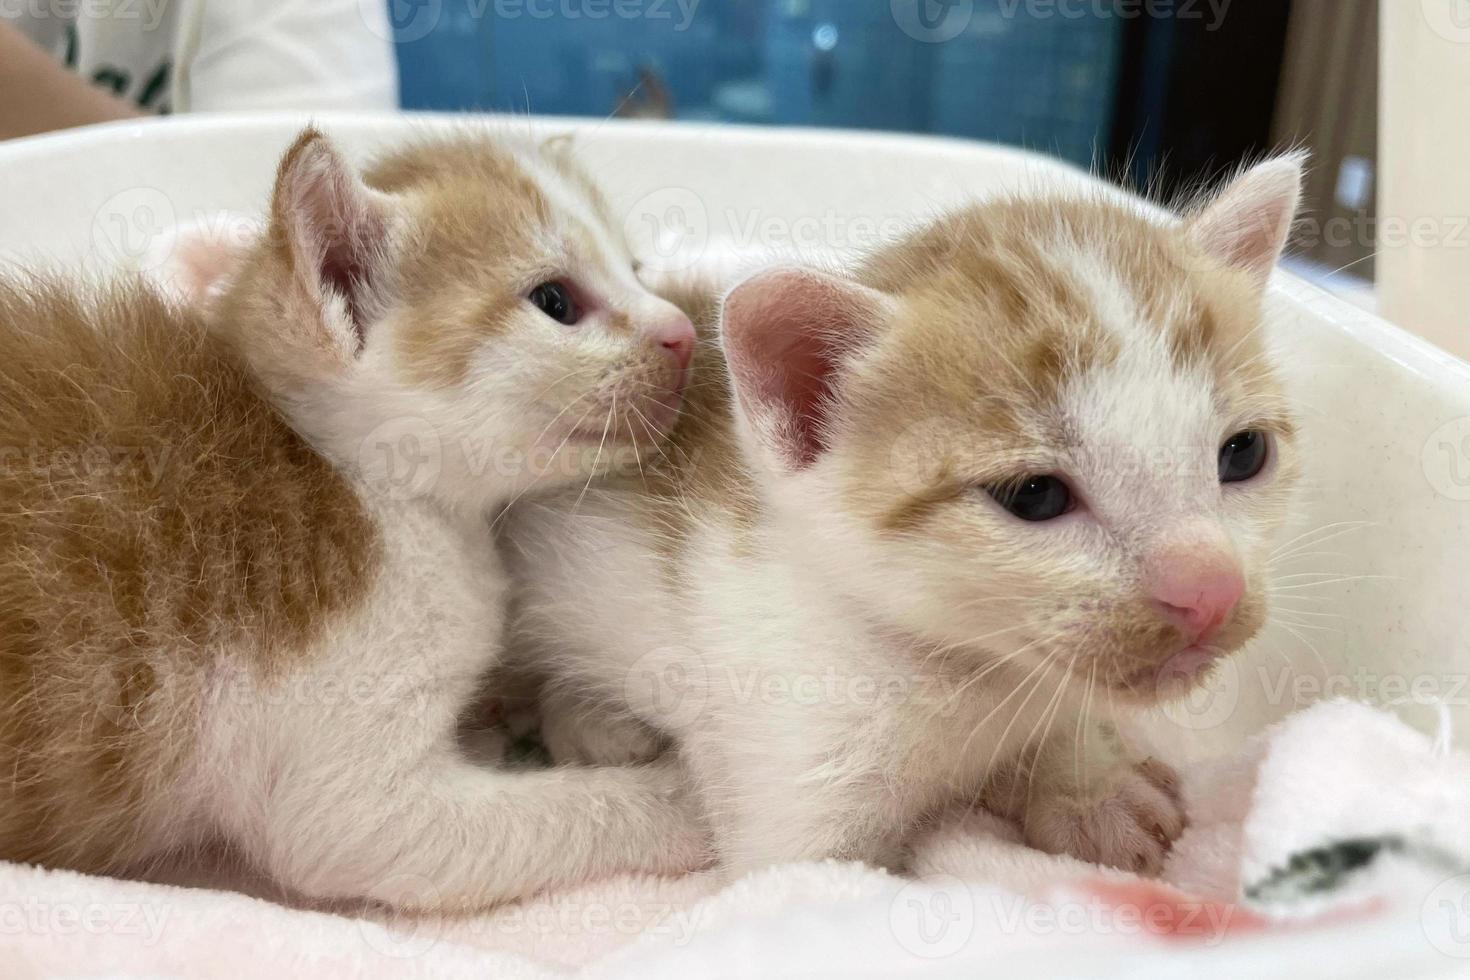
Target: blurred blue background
{"type": "Point", "coordinates": [975, 68]}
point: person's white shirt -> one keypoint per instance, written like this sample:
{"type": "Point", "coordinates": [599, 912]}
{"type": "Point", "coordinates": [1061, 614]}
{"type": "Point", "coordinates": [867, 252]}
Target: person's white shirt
{"type": "Point", "coordinates": [212, 55]}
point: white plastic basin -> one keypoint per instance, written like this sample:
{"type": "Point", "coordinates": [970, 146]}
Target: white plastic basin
{"type": "Point", "coordinates": [1382, 604]}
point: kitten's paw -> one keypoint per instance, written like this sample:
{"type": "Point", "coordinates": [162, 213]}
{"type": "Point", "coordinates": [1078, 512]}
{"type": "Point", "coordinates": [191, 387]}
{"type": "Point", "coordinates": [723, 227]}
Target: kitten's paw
{"type": "Point", "coordinates": [685, 842]}
{"type": "Point", "coordinates": [589, 736]}
{"type": "Point", "coordinates": [1129, 823]}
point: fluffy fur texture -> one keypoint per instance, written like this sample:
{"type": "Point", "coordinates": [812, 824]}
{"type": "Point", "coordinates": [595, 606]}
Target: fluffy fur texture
{"type": "Point", "coordinates": [819, 602]}
{"type": "Point", "coordinates": [246, 583]}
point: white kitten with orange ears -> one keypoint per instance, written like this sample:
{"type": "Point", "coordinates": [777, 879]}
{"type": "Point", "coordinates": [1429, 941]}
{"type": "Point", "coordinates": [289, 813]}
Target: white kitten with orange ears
{"type": "Point", "coordinates": [934, 519]}
{"type": "Point", "coordinates": [260, 615]}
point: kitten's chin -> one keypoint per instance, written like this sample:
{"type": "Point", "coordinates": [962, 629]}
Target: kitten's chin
{"type": "Point", "coordinates": [1175, 679]}
{"type": "Point", "coordinates": [1183, 672]}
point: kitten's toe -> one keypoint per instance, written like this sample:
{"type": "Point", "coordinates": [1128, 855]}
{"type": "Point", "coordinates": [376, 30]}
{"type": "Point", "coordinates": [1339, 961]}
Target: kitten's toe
{"type": "Point", "coordinates": [599, 739]}
{"type": "Point", "coordinates": [1131, 824]}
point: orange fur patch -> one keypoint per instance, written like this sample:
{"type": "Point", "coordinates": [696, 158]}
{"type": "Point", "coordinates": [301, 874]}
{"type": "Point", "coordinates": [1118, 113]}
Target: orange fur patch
{"type": "Point", "coordinates": [156, 510]}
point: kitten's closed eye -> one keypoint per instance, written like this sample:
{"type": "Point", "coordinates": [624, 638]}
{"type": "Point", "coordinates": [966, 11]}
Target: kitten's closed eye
{"type": "Point", "coordinates": [1244, 456]}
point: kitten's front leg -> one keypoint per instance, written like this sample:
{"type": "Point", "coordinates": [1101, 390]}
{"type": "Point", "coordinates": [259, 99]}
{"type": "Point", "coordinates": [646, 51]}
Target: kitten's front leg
{"type": "Point", "coordinates": [591, 731]}
{"type": "Point", "coordinates": [442, 834]}
{"type": "Point", "coordinates": [772, 804]}
{"type": "Point", "coordinates": [1097, 802]}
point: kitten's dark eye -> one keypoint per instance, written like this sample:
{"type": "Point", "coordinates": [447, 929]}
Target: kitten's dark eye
{"type": "Point", "coordinates": [553, 299]}
{"type": "Point", "coordinates": [1243, 456]}
{"type": "Point", "coordinates": [1036, 499]}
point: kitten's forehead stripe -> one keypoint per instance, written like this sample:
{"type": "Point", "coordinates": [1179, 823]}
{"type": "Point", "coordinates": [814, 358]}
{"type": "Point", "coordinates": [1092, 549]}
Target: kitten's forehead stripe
{"type": "Point", "coordinates": [1022, 320]}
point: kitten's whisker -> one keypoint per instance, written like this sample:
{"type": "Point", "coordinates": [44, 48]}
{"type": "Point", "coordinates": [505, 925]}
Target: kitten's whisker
{"type": "Point", "coordinates": [1086, 723]}
{"type": "Point", "coordinates": [1302, 556]}
{"type": "Point", "coordinates": [495, 522]}
{"type": "Point", "coordinates": [991, 713]}
{"type": "Point", "coordinates": [1278, 589]}
{"type": "Point", "coordinates": [1048, 715]}
{"type": "Point", "coordinates": [592, 474]}
{"type": "Point", "coordinates": [1326, 671]}
{"type": "Point", "coordinates": [1337, 529]}
{"type": "Point", "coordinates": [1015, 715]}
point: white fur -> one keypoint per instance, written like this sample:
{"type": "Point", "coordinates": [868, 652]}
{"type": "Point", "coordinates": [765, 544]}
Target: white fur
{"type": "Point", "coordinates": [342, 778]}
{"type": "Point", "coordinates": [765, 652]}
{"type": "Point", "coordinates": [340, 774]}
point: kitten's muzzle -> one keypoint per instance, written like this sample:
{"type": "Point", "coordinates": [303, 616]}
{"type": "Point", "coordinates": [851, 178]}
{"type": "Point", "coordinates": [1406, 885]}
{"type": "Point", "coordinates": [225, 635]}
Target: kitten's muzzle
{"type": "Point", "coordinates": [1194, 582]}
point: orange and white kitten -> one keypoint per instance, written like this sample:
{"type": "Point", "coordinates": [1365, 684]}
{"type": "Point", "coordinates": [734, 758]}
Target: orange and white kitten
{"type": "Point", "coordinates": [931, 520]}
{"type": "Point", "coordinates": [246, 589]}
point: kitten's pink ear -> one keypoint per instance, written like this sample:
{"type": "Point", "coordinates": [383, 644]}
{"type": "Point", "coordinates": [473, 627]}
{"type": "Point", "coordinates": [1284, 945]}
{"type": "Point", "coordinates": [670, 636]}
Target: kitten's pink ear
{"type": "Point", "coordinates": [333, 228]}
{"type": "Point", "coordinates": [1247, 224]}
{"type": "Point", "coordinates": [786, 333]}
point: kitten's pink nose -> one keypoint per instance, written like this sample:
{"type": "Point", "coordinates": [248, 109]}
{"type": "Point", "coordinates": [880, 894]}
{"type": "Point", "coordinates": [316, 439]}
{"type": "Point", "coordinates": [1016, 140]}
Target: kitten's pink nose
{"type": "Point", "coordinates": [675, 334]}
{"type": "Point", "coordinates": [1195, 584]}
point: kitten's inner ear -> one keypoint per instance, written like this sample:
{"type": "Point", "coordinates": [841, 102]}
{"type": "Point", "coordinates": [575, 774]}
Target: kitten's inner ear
{"type": "Point", "coordinates": [334, 228]}
{"type": "Point", "coordinates": [786, 333]}
{"type": "Point", "coordinates": [1248, 223]}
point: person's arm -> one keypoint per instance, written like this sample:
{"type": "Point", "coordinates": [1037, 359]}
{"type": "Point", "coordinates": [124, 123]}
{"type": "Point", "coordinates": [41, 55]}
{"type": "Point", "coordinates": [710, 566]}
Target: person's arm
{"type": "Point", "coordinates": [38, 94]}
{"type": "Point", "coordinates": [311, 55]}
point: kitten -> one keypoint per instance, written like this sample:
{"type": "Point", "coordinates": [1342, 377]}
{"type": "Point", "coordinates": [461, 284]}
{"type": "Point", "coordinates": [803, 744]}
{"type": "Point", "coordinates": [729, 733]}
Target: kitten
{"type": "Point", "coordinates": [247, 584]}
{"type": "Point", "coordinates": [931, 521]}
